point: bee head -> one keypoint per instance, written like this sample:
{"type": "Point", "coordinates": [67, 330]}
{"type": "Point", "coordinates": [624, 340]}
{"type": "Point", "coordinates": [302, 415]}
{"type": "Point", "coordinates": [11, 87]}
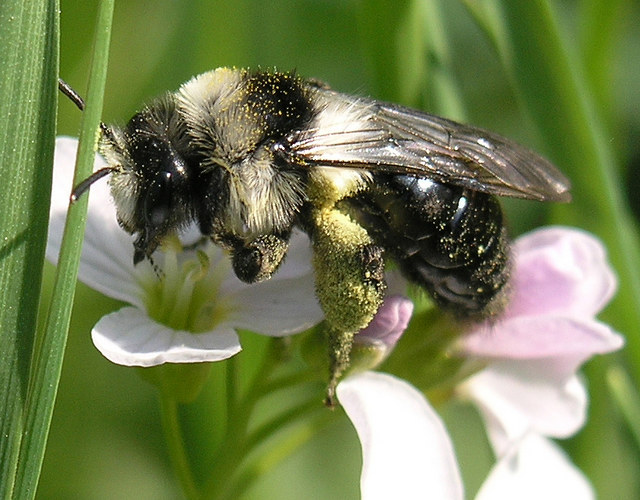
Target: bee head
{"type": "Point", "coordinates": [150, 175]}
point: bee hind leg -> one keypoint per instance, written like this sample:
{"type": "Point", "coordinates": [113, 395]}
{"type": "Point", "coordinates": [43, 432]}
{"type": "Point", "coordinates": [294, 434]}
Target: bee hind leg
{"type": "Point", "coordinates": [350, 285]}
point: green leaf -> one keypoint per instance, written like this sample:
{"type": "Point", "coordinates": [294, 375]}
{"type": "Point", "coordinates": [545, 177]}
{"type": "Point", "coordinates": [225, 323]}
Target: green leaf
{"type": "Point", "coordinates": [46, 365]}
{"type": "Point", "coordinates": [627, 400]}
{"type": "Point", "coordinates": [384, 34]}
{"type": "Point", "coordinates": [600, 35]}
{"type": "Point", "coordinates": [441, 93]}
{"type": "Point", "coordinates": [28, 92]}
{"type": "Point", "coordinates": [408, 51]}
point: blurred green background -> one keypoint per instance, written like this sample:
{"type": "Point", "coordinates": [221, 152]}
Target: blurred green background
{"type": "Point", "coordinates": [106, 439]}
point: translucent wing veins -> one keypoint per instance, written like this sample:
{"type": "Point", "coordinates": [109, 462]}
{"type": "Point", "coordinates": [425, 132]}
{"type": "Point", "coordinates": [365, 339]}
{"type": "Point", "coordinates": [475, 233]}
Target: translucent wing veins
{"type": "Point", "coordinates": [361, 133]}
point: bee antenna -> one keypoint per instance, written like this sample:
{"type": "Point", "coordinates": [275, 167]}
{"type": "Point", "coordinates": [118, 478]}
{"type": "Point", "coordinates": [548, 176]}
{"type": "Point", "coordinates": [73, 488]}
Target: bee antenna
{"type": "Point", "coordinates": [80, 189]}
{"type": "Point", "coordinates": [156, 269]}
{"type": "Point", "coordinates": [73, 96]}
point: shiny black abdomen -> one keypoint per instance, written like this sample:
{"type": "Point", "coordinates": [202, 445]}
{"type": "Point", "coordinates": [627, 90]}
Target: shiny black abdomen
{"type": "Point", "coordinates": [449, 240]}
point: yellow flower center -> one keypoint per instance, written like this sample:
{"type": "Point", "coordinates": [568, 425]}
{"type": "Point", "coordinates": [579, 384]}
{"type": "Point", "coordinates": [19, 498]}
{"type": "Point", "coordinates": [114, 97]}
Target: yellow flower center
{"type": "Point", "coordinates": [184, 292]}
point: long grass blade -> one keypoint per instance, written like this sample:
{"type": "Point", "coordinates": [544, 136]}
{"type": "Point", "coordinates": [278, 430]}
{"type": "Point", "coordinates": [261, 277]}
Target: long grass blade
{"type": "Point", "coordinates": [49, 350]}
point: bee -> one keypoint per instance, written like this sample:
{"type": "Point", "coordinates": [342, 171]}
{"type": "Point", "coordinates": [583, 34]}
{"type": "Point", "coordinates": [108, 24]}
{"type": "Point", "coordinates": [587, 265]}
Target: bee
{"type": "Point", "coordinates": [250, 155]}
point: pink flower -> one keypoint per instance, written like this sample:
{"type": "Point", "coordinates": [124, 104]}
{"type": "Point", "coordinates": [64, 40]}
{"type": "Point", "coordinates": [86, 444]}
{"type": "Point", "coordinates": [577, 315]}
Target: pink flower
{"type": "Point", "coordinates": [387, 326]}
{"type": "Point", "coordinates": [528, 392]}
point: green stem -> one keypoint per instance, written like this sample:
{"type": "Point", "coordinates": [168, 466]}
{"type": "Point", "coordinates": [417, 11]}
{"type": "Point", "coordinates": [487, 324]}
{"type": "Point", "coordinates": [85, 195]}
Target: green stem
{"type": "Point", "coordinates": [283, 382]}
{"type": "Point", "coordinates": [261, 434]}
{"type": "Point", "coordinates": [239, 409]}
{"type": "Point", "coordinates": [225, 479]}
{"type": "Point", "coordinates": [293, 441]}
{"type": "Point", "coordinates": [239, 442]}
{"type": "Point", "coordinates": [228, 454]}
{"type": "Point", "coordinates": [175, 443]}
{"type": "Point", "coordinates": [49, 349]}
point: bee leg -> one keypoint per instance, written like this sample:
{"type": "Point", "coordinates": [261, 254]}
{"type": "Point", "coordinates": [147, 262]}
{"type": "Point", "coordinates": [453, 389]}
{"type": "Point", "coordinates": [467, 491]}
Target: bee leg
{"type": "Point", "coordinates": [350, 284]}
{"type": "Point", "coordinates": [258, 259]}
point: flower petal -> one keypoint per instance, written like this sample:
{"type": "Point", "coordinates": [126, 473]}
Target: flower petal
{"type": "Point", "coordinates": [565, 342]}
{"type": "Point", "coordinates": [129, 337]}
{"type": "Point", "coordinates": [515, 398]}
{"type": "Point", "coordinates": [106, 264]}
{"type": "Point", "coordinates": [560, 270]}
{"type": "Point", "coordinates": [533, 469]}
{"type": "Point", "coordinates": [298, 259]}
{"type": "Point", "coordinates": [406, 450]}
{"type": "Point", "coordinates": [389, 323]}
{"type": "Point", "coordinates": [277, 307]}
{"type": "Point", "coordinates": [63, 163]}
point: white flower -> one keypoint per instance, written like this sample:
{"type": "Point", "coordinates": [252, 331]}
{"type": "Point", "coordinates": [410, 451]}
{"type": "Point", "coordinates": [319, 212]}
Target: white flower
{"type": "Point", "coordinates": [189, 309]}
{"type": "Point", "coordinates": [406, 451]}
{"type": "Point", "coordinates": [528, 392]}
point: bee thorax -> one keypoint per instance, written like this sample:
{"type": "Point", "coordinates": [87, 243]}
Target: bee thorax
{"type": "Point", "coordinates": [262, 198]}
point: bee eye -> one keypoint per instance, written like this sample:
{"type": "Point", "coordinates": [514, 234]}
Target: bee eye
{"type": "Point", "coordinates": [158, 200]}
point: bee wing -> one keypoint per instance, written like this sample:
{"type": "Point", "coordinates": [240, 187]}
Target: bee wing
{"type": "Point", "coordinates": [361, 133]}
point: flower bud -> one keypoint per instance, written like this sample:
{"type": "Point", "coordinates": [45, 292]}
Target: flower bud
{"type": "Point", "coordinates": [372, 345]}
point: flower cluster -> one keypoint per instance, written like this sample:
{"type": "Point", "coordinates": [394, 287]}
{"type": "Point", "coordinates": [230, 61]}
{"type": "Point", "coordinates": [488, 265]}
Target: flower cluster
{"type": "Point", "coordinates": [528, 392]}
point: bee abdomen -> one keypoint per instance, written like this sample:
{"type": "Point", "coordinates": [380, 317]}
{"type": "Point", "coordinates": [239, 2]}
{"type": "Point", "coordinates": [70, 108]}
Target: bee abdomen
{"type": "Point", "coordinates": [447, 239]}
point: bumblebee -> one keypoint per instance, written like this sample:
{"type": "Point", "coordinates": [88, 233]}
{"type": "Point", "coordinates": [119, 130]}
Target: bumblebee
{"type": "Point", "coordinates": [248, 156]}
